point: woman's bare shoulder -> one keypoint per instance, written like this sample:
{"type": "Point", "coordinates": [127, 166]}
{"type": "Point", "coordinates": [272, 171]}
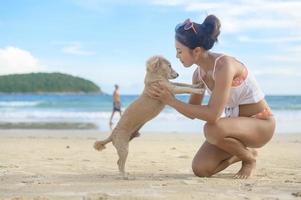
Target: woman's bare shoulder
{"type": "Point", "coordinates": [195, 76]}
{"type": "Point", "coordinates": [224, 64]}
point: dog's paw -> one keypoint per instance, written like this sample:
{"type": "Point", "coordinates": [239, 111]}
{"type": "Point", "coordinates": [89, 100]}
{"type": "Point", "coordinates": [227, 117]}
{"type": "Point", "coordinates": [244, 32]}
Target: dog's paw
{"type": "Point", "coordinates": [98, 145]}
{"type": "Point", "coordinates": [198, 85]}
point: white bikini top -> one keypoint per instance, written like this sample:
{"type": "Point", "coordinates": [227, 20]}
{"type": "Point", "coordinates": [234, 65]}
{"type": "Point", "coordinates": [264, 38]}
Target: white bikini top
{"type": "Point", "coordinates": [243, 91]}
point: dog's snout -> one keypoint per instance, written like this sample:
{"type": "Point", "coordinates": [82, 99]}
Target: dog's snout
{"type": "Point", "coordinates": [173, 75]}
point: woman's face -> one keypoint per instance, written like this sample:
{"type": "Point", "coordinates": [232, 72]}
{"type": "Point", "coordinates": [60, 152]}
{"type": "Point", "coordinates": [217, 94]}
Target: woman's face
{"type": "Point", "coordinates": [184, 54]}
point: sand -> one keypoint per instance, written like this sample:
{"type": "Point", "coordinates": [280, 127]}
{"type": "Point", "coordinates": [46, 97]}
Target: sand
{"type": "Point", "coordinates": [43, 164]}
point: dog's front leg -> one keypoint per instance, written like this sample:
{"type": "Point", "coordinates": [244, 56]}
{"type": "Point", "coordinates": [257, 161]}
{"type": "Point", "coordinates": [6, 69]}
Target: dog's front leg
{"type": "Point", "coordinates": [199, 85]}
{"type": "Point", "coordinates": [182, 90]}
{"type": "Point", "coordinates": [181, 84]}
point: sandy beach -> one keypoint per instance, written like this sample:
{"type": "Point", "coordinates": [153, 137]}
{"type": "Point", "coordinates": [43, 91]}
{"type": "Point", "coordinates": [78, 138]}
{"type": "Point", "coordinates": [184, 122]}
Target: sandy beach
{"type": "Point", "coordinates": [61, 164]}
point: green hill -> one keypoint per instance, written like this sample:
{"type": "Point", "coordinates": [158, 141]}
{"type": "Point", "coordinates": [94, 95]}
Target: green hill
{"type": "Point", "coordinates": [46, 83]}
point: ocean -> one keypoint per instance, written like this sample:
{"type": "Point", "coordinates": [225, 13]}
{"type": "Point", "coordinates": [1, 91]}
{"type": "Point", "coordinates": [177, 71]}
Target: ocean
{"type": "Point", "coordinates": [96, 109]}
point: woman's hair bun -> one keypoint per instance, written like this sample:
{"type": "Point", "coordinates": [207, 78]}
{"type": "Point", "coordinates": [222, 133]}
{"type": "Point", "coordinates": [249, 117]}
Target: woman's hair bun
{"type": "Point", "coordinates": [211, 26]}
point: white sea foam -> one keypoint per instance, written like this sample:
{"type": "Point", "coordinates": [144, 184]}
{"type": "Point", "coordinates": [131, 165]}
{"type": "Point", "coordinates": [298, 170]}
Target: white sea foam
{"type": "Point", "coordinates": [52, 115]}
{"type": "Point", "coordinates": [19, 103]}
{"type": "Point", "coordinates": [287, 121]}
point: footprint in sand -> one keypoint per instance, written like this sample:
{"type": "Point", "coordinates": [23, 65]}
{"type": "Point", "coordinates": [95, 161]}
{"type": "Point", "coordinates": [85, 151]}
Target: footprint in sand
{"type": "Point", "coordinates": [183, 156]}
{"type": "Point", "coordinates": [296, 194]}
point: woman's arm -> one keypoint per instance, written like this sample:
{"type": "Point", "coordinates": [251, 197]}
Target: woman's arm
{"type": "Point", "coordinates": [211, 112]}
{"type": "Point", "coordinates": [224, 74]}
{"type": "Point", "coordinates": [196, 99]}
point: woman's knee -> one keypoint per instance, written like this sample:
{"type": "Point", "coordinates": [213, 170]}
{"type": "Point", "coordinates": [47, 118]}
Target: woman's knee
{"type": "Point", "coordinates": [213, 132]}
{"type": "Point", "coordinates": [201, 170]}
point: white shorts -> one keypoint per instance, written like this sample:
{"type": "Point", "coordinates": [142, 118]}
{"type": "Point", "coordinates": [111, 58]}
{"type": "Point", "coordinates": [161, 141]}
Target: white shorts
{"type": "Point", "coordinates": [232, 111]}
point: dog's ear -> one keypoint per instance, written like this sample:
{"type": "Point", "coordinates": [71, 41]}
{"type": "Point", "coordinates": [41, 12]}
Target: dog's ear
{"type": "Point", "coordinates": [153, 64]}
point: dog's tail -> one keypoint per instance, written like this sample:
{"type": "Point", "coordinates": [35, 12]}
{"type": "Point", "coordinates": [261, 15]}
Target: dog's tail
{"type": "Point", "coordinates": [100, 144]}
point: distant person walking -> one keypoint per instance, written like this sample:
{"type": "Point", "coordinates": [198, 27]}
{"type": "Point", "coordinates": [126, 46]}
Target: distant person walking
{"type": "Point", "coordinates": [116, 104]}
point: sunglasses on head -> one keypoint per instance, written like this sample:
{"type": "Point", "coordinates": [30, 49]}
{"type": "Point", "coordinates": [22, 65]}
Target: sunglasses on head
{"type": "Point", "coordinates": [188, 24]}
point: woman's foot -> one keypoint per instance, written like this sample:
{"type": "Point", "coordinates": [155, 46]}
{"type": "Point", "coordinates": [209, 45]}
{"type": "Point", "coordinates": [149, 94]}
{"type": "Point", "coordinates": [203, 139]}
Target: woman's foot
{"type": "Point", "coordinates": [248, 167]}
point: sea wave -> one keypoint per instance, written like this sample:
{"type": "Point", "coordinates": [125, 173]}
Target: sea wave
{"type": "Point", "coordinates": [166, 121]}
{"type": "Point", "coordinates": [8, 104]}
{"type": "Point", "coordinates": [72, 115]}
{"type": "Point", "coordinates": [76, 115]}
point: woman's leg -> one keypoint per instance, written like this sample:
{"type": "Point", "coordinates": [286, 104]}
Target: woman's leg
{"type": "Point", "coordinates": [208, 159]}
{"type": "Point", "coordinates": [233, 159]}
{"type": "Point", "coordinates": [234, 135]}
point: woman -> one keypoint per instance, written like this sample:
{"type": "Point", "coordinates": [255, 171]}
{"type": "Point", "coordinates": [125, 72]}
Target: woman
{"type": "Point", "coordinates": [248, 123]}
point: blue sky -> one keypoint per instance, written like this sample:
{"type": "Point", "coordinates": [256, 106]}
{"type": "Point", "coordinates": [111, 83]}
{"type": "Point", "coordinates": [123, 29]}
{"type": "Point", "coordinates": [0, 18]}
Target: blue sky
{"type": "Point", "coordinates": [108, 41]}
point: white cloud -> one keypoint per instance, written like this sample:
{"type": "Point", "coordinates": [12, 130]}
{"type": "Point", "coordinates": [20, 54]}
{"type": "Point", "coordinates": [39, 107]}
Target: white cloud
{"type": "Point", "coordinates": [289, 57]}
{"type": "Point", "coordinates": [15, 60]}
{"type": "Point", "coordinates": [284, 71]}
{"type": "Point", "coordinates": [286, 59]}
{"type": "Point", "coordinates": [76, 49]}
{"type": "Point", "coordinates": [270, 40]}
{"type": "Point", "coordinates": [243, 15]}
{"type": "Point", "coordinates": [294, 49]}
{"type": "Point", "coordinates": [101, 6]}
{"type": "Point", "coordinates": [277, 21]}
{"type": "Point", "coordinates": [168, 2]}
{"type": "Point", "coordinates": [236, 15]}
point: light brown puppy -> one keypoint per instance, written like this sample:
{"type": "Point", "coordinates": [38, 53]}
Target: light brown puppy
{"type": "Point", "coordinates": [144, 108]}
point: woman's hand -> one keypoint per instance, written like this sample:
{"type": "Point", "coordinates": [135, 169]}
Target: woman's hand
{"type": "Point", "coordinates": [160, 92]}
